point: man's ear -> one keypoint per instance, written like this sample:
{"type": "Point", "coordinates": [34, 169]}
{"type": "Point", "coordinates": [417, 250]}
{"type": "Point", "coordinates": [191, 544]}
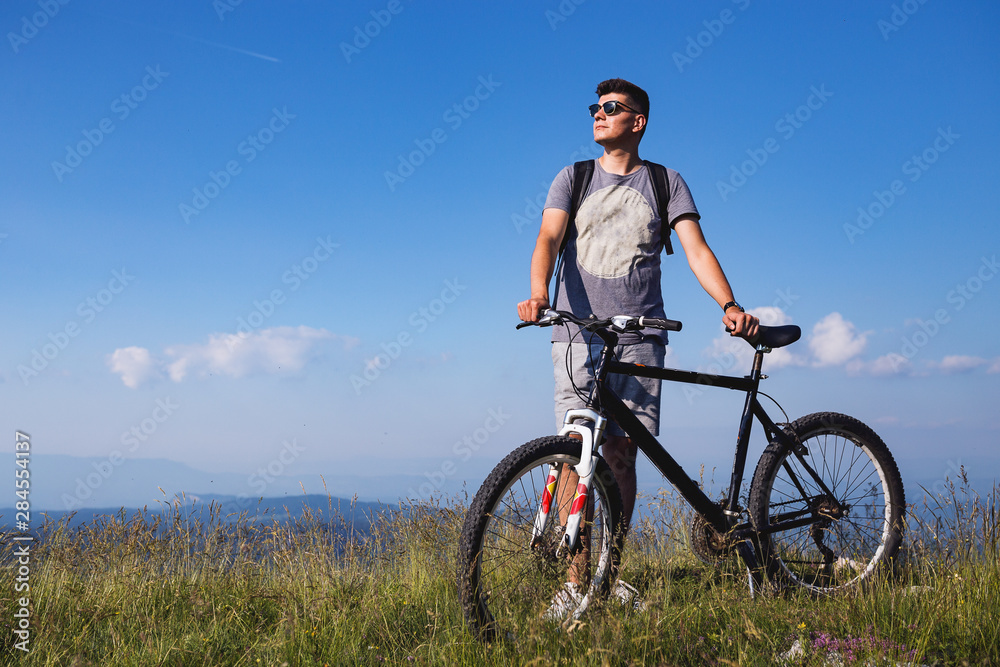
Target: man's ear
{"type": "Point", "coordinates": [639, 124]}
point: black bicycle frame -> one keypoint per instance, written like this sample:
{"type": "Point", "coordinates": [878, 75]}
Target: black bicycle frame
{"type": "Point", "coordinates": [722, 518]}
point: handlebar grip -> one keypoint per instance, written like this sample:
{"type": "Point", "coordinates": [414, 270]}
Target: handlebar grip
{"type": "Point", "coordinates": [660, 323]}
{"type": "Point", "coordinates": [547, 318]}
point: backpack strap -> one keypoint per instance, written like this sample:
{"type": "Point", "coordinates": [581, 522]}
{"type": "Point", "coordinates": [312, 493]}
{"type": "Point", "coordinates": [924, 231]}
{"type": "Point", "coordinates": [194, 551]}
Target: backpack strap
{"type": "Point", "coordinates": [661, 192]}
{"type": "Point", "coordinates": [583, 172]}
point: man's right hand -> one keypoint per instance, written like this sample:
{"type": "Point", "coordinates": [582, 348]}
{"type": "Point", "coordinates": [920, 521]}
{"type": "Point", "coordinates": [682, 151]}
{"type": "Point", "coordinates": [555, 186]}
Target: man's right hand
{"type": "Point", "coordinates": [530, 310]}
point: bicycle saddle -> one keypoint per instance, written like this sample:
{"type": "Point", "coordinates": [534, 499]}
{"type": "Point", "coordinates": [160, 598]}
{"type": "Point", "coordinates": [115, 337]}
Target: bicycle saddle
{"type": "Point", "coordinates": [775, 337]}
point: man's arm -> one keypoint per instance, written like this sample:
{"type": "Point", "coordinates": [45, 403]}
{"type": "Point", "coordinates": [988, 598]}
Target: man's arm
{"type": "Point", "coordinates": [707, 270]}
{"type": "Point", "coordinates": [543, 260]}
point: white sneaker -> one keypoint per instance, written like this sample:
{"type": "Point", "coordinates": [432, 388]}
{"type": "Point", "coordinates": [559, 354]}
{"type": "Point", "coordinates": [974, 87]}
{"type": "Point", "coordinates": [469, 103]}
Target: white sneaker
{"type": "Point", "coordinates": [564, 603]}
{"type": "Point", "coordinates": [628, 597]}
{"type": "Point", "coordinates": [842, 564]}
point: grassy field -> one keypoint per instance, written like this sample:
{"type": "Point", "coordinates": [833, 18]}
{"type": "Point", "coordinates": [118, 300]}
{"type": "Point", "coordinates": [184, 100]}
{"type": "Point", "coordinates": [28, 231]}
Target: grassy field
{"type": "Point", "coordinates": [159, 590]}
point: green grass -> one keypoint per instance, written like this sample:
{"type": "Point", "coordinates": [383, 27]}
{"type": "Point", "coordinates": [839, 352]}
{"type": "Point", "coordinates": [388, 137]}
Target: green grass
{"type": "Point", "coordinates": [153, 590]}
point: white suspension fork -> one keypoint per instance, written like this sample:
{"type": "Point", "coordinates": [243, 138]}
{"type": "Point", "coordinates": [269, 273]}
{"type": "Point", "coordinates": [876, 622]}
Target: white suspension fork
{"type": "Point", "coordinates": [589, 426]}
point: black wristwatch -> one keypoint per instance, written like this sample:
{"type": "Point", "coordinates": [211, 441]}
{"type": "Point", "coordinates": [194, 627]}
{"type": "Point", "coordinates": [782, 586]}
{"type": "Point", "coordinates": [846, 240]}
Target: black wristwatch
{"type": "Point", "coordinates": [730, 305]}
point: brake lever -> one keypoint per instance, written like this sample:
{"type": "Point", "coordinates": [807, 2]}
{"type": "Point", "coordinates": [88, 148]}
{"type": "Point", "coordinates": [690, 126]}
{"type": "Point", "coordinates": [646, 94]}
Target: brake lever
{"type": "Point", "coordinates": [548, 318]}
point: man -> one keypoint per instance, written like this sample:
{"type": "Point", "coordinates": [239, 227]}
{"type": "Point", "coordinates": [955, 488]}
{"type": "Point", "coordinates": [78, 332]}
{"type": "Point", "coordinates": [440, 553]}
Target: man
{"type": "Point", "coordinates": [611, 266]}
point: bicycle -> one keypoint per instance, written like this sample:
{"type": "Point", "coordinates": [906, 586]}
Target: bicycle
{"type": "Point", "coordinates": [825, 506]}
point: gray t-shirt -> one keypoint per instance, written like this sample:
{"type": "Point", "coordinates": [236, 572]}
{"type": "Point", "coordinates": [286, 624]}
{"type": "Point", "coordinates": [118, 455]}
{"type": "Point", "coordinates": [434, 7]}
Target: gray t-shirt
{"type": "Point", "coordinates": [611, 265]}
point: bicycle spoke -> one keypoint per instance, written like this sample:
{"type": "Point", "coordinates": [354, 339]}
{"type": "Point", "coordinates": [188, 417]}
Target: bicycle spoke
{"type": "Point", "coordinates": [512, 573]}
{"type": "Point", "coordinates": [846, 498]}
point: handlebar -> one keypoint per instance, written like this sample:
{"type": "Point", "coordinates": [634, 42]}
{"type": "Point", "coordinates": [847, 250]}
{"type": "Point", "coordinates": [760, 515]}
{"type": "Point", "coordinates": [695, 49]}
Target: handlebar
{"type": "Point", "coordinates": [619, 323]}
{"type": "Point", "coordinates": [769, 337]}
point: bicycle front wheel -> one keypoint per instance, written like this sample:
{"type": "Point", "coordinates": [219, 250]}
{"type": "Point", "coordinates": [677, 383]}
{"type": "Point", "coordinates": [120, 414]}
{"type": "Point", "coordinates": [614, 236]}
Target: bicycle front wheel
{"type": "Point", "coordinates": [509, 575]}
{"type": "Point", "coordinates": [831, 515]}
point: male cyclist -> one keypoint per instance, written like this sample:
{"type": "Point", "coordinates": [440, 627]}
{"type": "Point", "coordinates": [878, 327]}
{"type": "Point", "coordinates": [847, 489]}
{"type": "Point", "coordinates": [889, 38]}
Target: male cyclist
{"type": "Point", "coordinates": [611, 266]}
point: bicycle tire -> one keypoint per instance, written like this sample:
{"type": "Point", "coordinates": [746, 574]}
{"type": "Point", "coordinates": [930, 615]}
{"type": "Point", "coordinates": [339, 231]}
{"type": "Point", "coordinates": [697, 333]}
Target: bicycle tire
{"type": "Point", "coordinates": [506, 585]}
{"type": "Point", "coordinates": [855, 533]}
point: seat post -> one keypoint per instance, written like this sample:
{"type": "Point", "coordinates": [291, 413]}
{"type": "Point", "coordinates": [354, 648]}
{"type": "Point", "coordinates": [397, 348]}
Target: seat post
{"type": "Point", "coordinates": [758, 362]}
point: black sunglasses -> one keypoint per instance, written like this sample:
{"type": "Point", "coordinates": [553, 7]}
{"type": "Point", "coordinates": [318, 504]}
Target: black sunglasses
{"type": "Point", "coordinates": [610, 108]}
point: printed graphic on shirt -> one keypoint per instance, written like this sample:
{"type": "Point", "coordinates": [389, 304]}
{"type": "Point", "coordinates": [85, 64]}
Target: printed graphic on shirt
{"type": "Point", "coordinates": [614, 228]}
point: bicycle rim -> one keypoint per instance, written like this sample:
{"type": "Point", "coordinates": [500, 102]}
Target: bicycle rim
{"type": "Point", "coordinates": [855, 522]}
{"type": "Point", "coordinates": [512, 581]}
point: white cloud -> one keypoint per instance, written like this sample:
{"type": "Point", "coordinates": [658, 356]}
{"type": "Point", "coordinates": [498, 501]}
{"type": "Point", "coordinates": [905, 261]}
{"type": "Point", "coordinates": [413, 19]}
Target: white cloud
{"type": "Point", "coordinates": [886, 365]}
{"type": "Point", "coordinates": [279, 350]}
{"type": "Point", "coordinates": [958, 363]}
{"type": "Point", "coordinates": [135, 365]}
{"type": "Point", "coordinates": [896, 364]}
{"type": "Point", "coordinates": [731, 356]}
{"type": "Point", "coordinates": [836, 341]}
{"type": "Point", "coordinates": [670, 358]}
{"type": "Point", "coordinates": [889, 420]}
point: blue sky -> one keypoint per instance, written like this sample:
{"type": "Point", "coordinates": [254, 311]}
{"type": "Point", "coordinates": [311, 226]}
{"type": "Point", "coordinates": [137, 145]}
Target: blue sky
{"type": "Point", "coordinates": [230, 227]}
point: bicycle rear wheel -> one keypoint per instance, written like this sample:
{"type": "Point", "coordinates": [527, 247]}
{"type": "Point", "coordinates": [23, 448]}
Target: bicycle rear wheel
{"type": "Point", "coordinates": [507, 583]}
{"type": "Point", "coordinates": [835, 528]}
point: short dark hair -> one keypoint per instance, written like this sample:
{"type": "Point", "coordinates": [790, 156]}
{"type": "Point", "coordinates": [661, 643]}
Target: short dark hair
{"type": "Point", "coordinates": [623, 87]}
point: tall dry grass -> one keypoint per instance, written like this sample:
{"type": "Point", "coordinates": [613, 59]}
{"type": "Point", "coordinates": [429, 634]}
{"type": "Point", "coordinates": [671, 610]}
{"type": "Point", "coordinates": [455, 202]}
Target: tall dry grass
{"type": "Point", "coordinates": [177, 587]}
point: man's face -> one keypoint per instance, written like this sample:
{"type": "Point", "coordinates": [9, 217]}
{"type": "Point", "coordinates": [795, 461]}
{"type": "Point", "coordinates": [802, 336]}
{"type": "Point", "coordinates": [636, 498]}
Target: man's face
{"type": "Point", "coordinates": [610, 129]}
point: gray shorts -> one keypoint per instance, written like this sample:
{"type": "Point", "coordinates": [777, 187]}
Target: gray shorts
{"type": "Point", "coordinates": [641, 395]}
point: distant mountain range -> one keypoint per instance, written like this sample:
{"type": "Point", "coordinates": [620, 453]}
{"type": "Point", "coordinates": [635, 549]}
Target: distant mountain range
{"type": "Point", "coordinates": [92, 486]}
{"type": "Point", "coordinates": [339, 512]}
{"type": "Point", "coordinates": [66, 483]}
{"type": "Point", "coordinates": [84, 489]}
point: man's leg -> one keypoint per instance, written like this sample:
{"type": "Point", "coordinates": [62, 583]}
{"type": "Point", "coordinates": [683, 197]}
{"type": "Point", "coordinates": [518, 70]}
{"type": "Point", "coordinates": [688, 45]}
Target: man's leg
{"type": "Point", "coordinates": [642, 396]}
{"type": "Point", "coordinates": [566, 386]}
{"type": "Point", "coordinates": [620, 453]}
{"type": "Point", "coordinates": [579, 567]}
